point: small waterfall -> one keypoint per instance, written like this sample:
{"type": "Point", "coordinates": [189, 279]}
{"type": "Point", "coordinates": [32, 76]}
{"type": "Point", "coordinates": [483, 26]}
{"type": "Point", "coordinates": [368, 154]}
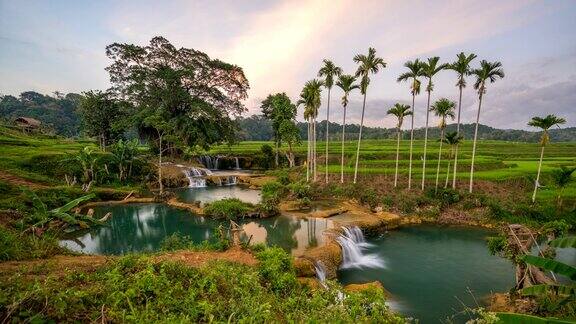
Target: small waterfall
{"type": "Point", "coordinates": [320, 271]}
{"type": "Point", "coordinates": [353, 243]}
{"type": "Point", "coordinates": [209, 162]}
{"type": "Point", "coordinates": [230, 181]}
{"type": "Point", "coordinates": [196, 177]}
{"type": "Point", "coordinates": [237, 163]}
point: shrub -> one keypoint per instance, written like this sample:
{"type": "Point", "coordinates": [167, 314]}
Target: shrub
{"type": "Point", "coordinates": [17, 246]}
{"type": "Point", "coordinates": [369, 197]}
{"type": "Point", "coordinates": [273, 191]}
{"type": "Point", "coordinates": [229, 208]}
{"type": "Point", "coordinates": [276, 270]}
{"type": "Point", "coordinates": [177, 241]}
{"type": "Point", "coordinates": [446, 196]}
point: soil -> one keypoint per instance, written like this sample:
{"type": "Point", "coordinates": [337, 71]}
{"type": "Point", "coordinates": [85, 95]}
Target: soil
{"type": "Point", "coordinates": [59, 265]}
{"type": "Point", "coordinates": [20, 182]}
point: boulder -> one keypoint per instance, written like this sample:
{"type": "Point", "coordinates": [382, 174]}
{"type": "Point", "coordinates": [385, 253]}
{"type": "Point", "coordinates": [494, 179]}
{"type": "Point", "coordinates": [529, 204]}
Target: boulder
{"type": "Point", "coordinates": [365, 286]}
{"type": "Point", "coordinates": [304, 267]}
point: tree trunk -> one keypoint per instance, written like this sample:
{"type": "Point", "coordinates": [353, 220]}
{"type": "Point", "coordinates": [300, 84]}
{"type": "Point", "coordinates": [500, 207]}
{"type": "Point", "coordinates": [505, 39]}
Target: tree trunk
{"type": "Point", "coordinates": [308, 155]}
{"type": "Point", "coordinates": [536, 184]}
{"type": "Point", "coordinates": [343, 139]}
{"type": "Point", "coordinates": [439, 159]}
{"type": "Point", "coordinates": [397, 157]}
{"type": "Point", "coordinates": [327, 130]}
{"type": "Point", "coordinates": [276, 159]}
{"type": "Point", "coordinates": [290, 155]}
{"type": "Point", "coordinates": [457, 145]}
{"type": "Point", "coordinates": [474, 143]}
{"type": "Point", "coordinates": [359, 139]}
{"type": "Point", "coordinates": [160, 185]}
{"type": "Point", "coordinates": [315, 157]}
{"type": "Point", "coordinates": [426, 142]}
{"type": "Point", "coordinates": [448, 172]}
{"type": "Point", "coordinates": [411, 143]}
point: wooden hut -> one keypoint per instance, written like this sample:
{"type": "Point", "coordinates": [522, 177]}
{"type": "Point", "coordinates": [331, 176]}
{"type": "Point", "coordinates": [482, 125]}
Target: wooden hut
{"type": "Point", "coordinates": [28, 124]}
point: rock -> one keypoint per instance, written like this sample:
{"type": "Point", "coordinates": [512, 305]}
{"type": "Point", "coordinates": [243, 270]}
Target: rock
{"type": "Point", "coordinates": [304, 267]}
{"type": "Point", "coordinates": [330, 254]}
{"type": "Point", "coordinates": [366, 286]}
{"type": "Point", "coordinates": [311, 283]}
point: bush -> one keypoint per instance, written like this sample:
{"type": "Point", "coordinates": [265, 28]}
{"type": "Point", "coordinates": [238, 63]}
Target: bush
{"type": "Point", "coordinates": [177, 241]}
{"type": "Point", "coordinates": [273, 191]}
{"type": "Point", "coordinates": [369, 197]}
{"type": "Point", "coordinates": [446, 196]}
{"type": "Point", "coordinates": [229, 208]}
{"type": "Point", "coordinates": [17, 246]}
{"type": "Point", "coordinates": [276, 270]}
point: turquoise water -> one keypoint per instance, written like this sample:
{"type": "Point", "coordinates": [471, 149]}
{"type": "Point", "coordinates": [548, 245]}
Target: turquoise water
{"type": "Point", "coordinates": [213, 193]}
{"type": "Point", "coordinates": [433, 271]}
{"type": "Point", "coordinates": [142, 227]}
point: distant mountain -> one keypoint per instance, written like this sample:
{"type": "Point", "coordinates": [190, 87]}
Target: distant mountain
{"type": "Point", "coordinates": [257, 128]}
{"type": "Point", "coordinates": [58, 112]}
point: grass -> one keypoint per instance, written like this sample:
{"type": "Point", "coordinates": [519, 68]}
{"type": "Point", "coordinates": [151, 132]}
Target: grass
{"type": "Point", "coordinates": [495, 160]}
{"type": "Point", "coordinates": [138, 289]}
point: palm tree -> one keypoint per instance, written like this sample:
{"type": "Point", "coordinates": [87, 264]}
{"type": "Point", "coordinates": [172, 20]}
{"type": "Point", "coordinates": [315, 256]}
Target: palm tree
{"type": "Point", "coordinates": [310, 98]}
{"type": "Point", "coordinates": [346, 83]}
{"type": "Point", "coordinates": [366, 64]}
{"type": "Point", "coordinates": [462, 68]}
{"type": "Point", "coordinates": [400, 111]}
{"type": "Point", "coordinates": [442, 108]}
{"type": "Point", "coordinates": [488, 71]}
{"type": "Point", "coordinates": [414, 71]}
{"type": "Point", "coordinates": [545, 123]}
{"type": "Point", "coordinates": [429, 69]}
{"type": "Point", "coordinates": [453, 139]}
{"type": "Point", "coordinates": [562, 177]}
{"type": "Point", "coordinates": [328, 71]}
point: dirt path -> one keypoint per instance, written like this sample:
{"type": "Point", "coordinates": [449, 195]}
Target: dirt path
{"type": "Point", "coordinates": [61, 264]}
{"type": "Point", "coordinates": [18, 181]}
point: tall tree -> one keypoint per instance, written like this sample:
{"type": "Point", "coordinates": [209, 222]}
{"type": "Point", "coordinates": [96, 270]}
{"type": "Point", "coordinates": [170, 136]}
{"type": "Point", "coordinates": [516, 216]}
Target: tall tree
{"type": "Point", "coordinates": [310, 98]}
{"type": "Point", "coordinates": [102, 117]}
{"type": "Point", "coordinates": [400, 111]}
{"type": "Point", "coordinates": [367, 64]}
{"type": "Point", "coordinates": [328, 71]}
{"type": "Point", "coordinates": [462, 68]}
{"type": "Point", "coordinates": [453, 139]}
{"type": "Point", "coordinates": [347, 84]}
{"type": "Point", "coordinates": [429, 69]}
{"type": "Point", "coordinates": [183, 97]}
{"type": "Point", "coordinates": [544, 123]}
{"type": "Point", "coordinates": [562, 177]}
{"type": "Point", "coordinates": [442, 108]}
{"type": "Point", "coordinates": [414, 72]}
{"type": "Point", "coordinates": [488, 71]}
{"type": "Point", "coordinates": [290, 135]}
{"type": "Point", "coordinates": [278, 108]}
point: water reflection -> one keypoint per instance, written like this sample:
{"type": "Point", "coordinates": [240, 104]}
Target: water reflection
{"type": "Point", "coordinates": [210, 194]}
{"type": "Point", "coordinates": [142, 227]}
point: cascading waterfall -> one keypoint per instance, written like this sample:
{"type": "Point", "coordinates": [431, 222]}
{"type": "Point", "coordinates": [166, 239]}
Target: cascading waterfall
{"type": "Point", "coordinates": [353, 243]}
{"type": "Point", "coordinates": [230, 181]}
{"type": "Point", "coordinates": [237, 163]}
{"type": "Point", "coordinates": [320, 272]}
{"type": "Point", "coordinates": [195, 177]}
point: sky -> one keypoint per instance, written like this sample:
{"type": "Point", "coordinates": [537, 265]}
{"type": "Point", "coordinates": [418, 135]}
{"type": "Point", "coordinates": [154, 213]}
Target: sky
{"type": "Point", "coordinates": [49, 46]}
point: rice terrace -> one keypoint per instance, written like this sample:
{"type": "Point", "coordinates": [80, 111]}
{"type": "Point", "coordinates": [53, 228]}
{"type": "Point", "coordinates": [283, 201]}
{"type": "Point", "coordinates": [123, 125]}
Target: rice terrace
{"type": "Point", "coordinates": [288, 162]}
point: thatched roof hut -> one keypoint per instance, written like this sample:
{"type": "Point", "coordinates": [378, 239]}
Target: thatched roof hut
{"type": "Point", "coordinates": [27, 123]}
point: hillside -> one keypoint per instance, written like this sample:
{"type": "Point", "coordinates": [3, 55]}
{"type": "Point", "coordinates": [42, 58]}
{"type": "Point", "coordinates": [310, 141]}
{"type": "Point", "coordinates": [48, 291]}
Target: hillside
{"type": "Point", "coordinates": [256, 128]}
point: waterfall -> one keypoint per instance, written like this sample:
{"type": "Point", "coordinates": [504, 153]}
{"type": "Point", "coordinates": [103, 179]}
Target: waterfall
{"type": "Point", "coordinates": [353, 243]}
{"type": "Point", "coordinates": [237, 163]}
{"type": "Point", "coordinates": [230, 181]}
{"type": "Point", "coordinates": [196, 177]}
{"type": "Point", "coordinates": [320, 271]}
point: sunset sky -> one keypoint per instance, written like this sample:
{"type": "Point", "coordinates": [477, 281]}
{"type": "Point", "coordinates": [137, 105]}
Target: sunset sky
{"type": "Point", "coordinates": [49, 46]}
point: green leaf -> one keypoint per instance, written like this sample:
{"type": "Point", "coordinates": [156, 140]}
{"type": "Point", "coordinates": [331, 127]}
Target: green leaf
{"type": "Point", "coordinates": [512, 318]}
{"type": "Point", "coordinates": [36, 202]}
{"type": "Point", "coordinates": [73, 203]}
{"type": "Point", "coordinates": [538, 290]}
{"type": "Point", "coordinates": [564, 242]}
{"type": "Point", "coordinates": [552, 265]}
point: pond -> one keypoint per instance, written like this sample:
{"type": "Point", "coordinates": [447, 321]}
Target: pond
{"type": "Point", "coordinates": [213, 193]}
{"type": "Point", "coordinates": [142, 228]}
{"type": "Point", "coordinates": [432, 271]}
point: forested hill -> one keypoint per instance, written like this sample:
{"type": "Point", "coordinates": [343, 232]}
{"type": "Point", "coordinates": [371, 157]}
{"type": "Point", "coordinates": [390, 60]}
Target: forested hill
{"type": "Point", "coordinates": [256, 128]}
{"type": "Point", "coordinates": [57, 113]}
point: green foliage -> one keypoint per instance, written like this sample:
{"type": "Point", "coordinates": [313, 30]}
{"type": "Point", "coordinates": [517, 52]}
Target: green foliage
{"type": "Point", "coordinates": [564, 242]}
{"type": "Point", "coordinates": [229, 208]}
{"type": "Point", "coordinates": [140, 289]}
{"type": "Point", "coordinates": [266, 157]}
{"type": "Point", "coordinates": [177, 241]}
{"type": "Point", "coordinates": [551, 265]}
{"type": "Point", "coordinates": [103, 117]}
{"type": "Point", "coordinates": [539, 290]}
{"type": "Point", "coordinates": [513, 318]}
{"type": "Point", "coordinates": [369, 197]}
{"type": "Point", "coordinates": [276, 270]}
{"type": "Point", "coordinates": [446, 196]}
{"type": "Point", "coordinates": [498, 245]}
{"type": "Point", "coordinates": [557, 228]}
{"type": "Point", "coordinates": [23, 246]}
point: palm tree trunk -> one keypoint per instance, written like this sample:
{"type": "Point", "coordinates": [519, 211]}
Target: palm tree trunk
{"type": "Point", "coordinates": [448, 172]}
{"type": "Point", "coordinates": [439, 158]}
{"type": "Point", "coordinates": [160, 185]}
{"type": "Point", "coordinates": [308, 154]}
{"type": "Point", "coordinates": [359, 139]}
{"type": "Point", "coordinates": [397, 157]}
{"type": "Point", "coordinates": [411, 143]}
{"type": "Point", "coordinates": [426, 142]}
{"type": "Point", "coordinates": [327, 125]}
{"type": "Point", "coordinates": [457, 145]}
{"type": "Point", "coordinates": [474, 144]}
{"type": "Point", "coordinates": [277, 149]}
{"type": "Point", "coordinates": [314, 149]}
{"type": "Point", "coordinates": [343, 139]}
{"type": "Point", "coordinates": [536, 184]}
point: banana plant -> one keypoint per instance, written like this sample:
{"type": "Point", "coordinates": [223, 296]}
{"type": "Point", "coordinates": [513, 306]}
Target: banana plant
{"type": "Point", "coordinates": [42, 216]}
